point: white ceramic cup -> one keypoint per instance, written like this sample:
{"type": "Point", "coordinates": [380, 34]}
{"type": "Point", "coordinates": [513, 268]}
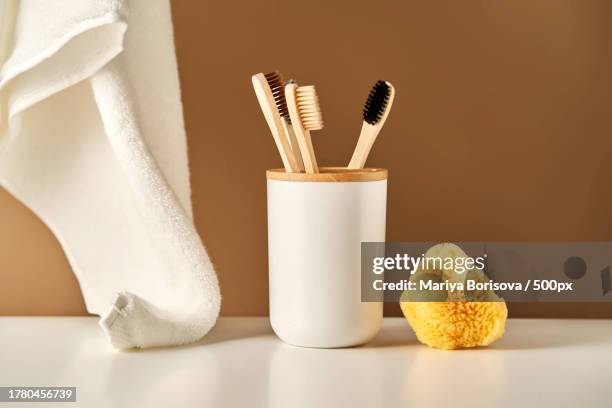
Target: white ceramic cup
{"type": "Point", "coordinates": [316, 223]}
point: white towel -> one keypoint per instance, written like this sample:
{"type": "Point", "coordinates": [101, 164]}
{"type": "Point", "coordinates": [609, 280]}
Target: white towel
{"type": "Point", "coordinates": [92, 140]}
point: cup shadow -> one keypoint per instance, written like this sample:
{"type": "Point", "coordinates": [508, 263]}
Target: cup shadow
{"type": "Point", "coordinates": [396, 335]}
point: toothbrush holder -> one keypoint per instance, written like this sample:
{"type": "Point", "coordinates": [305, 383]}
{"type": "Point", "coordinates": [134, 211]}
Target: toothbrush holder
{"type": "Point", "coordinates": [316, 223]}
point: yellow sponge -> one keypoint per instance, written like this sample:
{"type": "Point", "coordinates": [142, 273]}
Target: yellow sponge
{"type": "Point", "coordinates": [459, 324]}
{"type": "Point", "coordinates": [453, 325]}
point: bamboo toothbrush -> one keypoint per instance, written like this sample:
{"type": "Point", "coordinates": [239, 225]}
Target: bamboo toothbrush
{"type": "Point", "coordinates": [295, 147]}
{"type": "Point", "coordinates": [305, 113]}
{"type": "Point", "coordinates": [375, 114]}
{"type": "Point", "coordinates": [270, 94]}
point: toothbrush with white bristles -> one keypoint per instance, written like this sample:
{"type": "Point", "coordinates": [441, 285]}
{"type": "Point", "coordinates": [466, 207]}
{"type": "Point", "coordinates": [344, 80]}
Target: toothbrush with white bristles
{"type": "Point", "coordinates": [375, 113]}
{"type": "Point", "coordinates": [305, 114]}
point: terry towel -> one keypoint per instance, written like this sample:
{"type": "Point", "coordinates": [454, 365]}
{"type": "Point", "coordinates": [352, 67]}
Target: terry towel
{"type": "Point", "coordinates": [92, 140]}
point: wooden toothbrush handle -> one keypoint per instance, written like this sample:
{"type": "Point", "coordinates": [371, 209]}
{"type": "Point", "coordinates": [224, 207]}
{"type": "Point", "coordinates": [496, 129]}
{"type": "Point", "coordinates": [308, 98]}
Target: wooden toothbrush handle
{"type": "Point", "coordinates": [295, 147]}
{"type": "Point", "coordinates": [367, 137]}
{"type": "Point", "coordinates": [284, 149]}
{"type": "Point", "coordinates": [308, 154]}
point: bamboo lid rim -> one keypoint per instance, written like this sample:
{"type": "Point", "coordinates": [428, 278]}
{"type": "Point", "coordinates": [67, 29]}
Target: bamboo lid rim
{"type": "Point", "coordinates": [330, 174]}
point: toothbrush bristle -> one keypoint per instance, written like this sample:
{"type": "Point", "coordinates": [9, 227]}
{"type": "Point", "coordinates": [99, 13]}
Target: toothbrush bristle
{"type": "Point", "coordinates": [277, 85]}
{"type": "Point", "coordinates": [308, 107]}
{"type": "Point", "coordinates": [377, 102]}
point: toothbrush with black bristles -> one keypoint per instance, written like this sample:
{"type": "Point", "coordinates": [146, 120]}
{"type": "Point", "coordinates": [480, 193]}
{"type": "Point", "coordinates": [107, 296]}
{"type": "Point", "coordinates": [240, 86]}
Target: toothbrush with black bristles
{"type": "Point", "coordinates": [375, 114]}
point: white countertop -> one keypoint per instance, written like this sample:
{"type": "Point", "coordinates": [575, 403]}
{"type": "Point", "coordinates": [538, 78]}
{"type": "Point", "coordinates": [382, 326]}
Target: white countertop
{"type": "Point", "coordinates": [539, 363]}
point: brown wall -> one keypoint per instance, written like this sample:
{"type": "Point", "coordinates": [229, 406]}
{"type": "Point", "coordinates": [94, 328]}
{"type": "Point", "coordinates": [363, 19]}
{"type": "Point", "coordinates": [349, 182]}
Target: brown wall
{"type": "Point", "coordinates": [501, 130]}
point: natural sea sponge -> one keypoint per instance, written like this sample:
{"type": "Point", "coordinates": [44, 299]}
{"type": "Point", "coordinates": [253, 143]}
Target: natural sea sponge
{"type": "Point", "coordinates": [453, 325]}
{"type": "Point", "coordinates": [458, 323]}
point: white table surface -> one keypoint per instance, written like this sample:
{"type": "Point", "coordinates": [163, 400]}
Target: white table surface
{"type": "Point", "coordinates": [539, 363]}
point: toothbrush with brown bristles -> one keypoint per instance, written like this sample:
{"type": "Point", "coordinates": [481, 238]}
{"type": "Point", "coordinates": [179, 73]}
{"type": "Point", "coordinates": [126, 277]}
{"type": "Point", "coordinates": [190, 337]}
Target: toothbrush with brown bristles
{"type": "Point", "coordinates": [375, 114]}
{"type": "Point", "coordinates": [269, 89]}
{"type": "Point", "coordinates": [305, 113]}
